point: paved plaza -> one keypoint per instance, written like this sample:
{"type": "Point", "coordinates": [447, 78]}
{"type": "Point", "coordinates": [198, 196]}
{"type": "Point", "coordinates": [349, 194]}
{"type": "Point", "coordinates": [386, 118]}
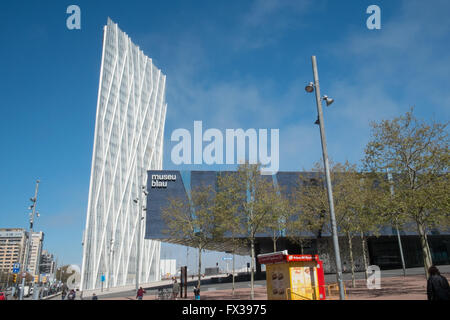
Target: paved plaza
{"type": "Point", "coordinates": [412, 287]}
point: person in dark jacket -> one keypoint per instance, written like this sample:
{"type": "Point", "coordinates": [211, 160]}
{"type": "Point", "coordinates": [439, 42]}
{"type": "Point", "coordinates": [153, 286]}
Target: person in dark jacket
{"type": "Point", "coordinates": [196, 293]}
{"type": "Point", "coordinates": [72, 295]}
{"type": "Point", "coordinates": [437, 285]}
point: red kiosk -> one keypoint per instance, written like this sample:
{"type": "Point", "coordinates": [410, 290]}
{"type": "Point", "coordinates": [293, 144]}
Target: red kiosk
{"type": "Point", "coordinates": [293, 277]}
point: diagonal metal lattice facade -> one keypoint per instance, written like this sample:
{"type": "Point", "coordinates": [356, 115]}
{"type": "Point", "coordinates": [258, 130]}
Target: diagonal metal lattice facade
{"type": "Point", "coordinates": [129, 129]}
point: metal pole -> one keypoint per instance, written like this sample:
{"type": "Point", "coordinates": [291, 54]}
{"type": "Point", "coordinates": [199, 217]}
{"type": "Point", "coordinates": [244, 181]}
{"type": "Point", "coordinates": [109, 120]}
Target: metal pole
{"type": "Point", "coordinates": [110, 272]}
{"type": "Point", "coordinates": [7, 279]}
{"type": "Point", "coordinates": [138, 255]}
{"type": "Point", "coordinates": [55, 269]}
{"type": "Point", "coordinates": [29, 242]}
{"type": "Point", "coordinates": [328, 179]}
{"type": "Point", "coordinates": [396, 227]}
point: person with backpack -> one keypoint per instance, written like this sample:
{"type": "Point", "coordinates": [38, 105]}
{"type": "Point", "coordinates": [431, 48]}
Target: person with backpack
{"type": "Point", "coordinates": [437, 286]}
{"type": "Point", "coordinates": [196, 293]}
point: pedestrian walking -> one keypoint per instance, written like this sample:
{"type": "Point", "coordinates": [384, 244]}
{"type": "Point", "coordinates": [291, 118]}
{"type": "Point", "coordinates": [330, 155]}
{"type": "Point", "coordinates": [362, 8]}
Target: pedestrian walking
{"type": "Point", "coordinates": [94, 296]}
{"type": "Point", "coordinates": [140, 294]}
{"type": "Point", "coordinates": [72, 295]}
{"type": "Point", "coordinates": [63, 294]}
{"type": "Point", "coordinates": [175, 289]}
{"type": "Point", "coordinates": [437, 285]}
{"type": "Point", "coordinates": [196, 293]}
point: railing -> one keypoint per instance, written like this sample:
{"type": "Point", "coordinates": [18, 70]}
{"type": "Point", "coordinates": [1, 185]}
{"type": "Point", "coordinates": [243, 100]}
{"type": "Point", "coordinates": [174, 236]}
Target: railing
{"type": "Point", "coordinates": [164, 294]}
{"type": "Point", "coordinates": [335, 286]}
{"type": "Point", "coordinates": [289, 292]}
{"type": "Point", "coordinates": [311, 291]}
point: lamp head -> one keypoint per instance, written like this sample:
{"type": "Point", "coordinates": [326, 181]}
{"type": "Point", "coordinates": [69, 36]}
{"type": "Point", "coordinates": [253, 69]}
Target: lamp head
{"type": "Point", "coordinates": [310, 87]}
{"type": "Point", "coordinates": [328, 100]}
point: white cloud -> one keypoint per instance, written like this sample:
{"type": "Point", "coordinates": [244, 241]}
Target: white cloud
{"type": "Point", "coordinates": [266, 21]}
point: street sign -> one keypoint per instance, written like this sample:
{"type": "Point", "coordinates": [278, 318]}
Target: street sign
{"type": "Point", "coordinates": [102, 278]}
{"type": "Point", "coordinates": [16, 267]}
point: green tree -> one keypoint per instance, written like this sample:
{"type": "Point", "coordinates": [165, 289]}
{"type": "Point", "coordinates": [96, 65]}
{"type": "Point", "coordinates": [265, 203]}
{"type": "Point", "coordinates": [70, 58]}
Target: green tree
{"type": "Point", "coordinates": [194, 220]}
{"type": "Point", "coordinates": [62, 274]}
{"type": "Point", "coordinates": [5, 278]}
{"type": "Point", "coordinates": [228, 217]}
{"type": "Point", "coordinates": [309, 207]}
{"type": "Point", "coordinates": [278, 221]}
{"type": "Point", "coordinates": [246, 194]}
{"type": "Point", "coordinates": [355, 200]}
{"type": "Point", "coordinates": [357, 207]}
{"type": "Point", "coordinates": [417, 154]}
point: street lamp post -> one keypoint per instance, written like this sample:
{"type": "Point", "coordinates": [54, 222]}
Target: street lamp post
{"type": "Point", "coordinates": [310, 88]}
{"type": "Point", "coordinates": [111, 263]}
{"type": "Point", "coordinates": [139, 235]}
{"type": "Point", "coordinates": [29, 242]}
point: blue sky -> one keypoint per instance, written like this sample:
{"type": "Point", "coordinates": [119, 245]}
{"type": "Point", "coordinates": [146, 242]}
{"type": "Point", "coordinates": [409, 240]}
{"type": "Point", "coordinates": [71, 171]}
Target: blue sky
{"type": "Point", "coordinates": [231, 64]}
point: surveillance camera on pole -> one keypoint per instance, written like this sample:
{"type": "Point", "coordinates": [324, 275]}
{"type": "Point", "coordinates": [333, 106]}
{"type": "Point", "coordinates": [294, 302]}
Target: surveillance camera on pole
{"type": "Point", "coordinates": [328, 100]}
{"type": "Point", "coordinates": [29, 240]}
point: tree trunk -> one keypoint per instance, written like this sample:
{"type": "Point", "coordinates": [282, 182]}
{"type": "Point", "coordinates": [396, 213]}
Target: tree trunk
{"type": "Point", "coordinates": [252, 271]}
{"type": "Point", "coordinates": [199, 267]}
{"type": "Point", "coordinates": [427, 261]}
{"type": "Point", "coordinates": [363, 246]}
{"type": "Point", "coordinates": [352, 262]}
{"type": "Point", "coordinates": [232, 290]}
{"type": "Point", "coordinates": [274, 245]}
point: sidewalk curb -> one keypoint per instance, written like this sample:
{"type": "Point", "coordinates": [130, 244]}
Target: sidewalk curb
{"type": "Point", "coordinates": [51, 296]}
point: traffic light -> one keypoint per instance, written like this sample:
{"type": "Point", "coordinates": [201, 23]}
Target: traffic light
{"type": "Point", "coordinates": [14, 278]}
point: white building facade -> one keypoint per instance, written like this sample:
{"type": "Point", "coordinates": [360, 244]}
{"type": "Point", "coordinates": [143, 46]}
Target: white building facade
{"type": "Point", "coordinates": [37, 240]}
{"type": "Point", "coordinates": [129, 132]}
{"type": "Point", "coordinates": [168, 268]}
